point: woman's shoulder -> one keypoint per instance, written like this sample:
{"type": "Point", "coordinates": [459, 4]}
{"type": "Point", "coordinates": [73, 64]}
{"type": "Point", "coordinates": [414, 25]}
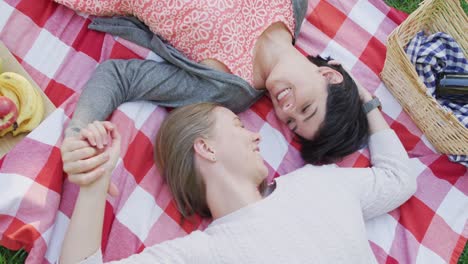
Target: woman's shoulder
{"type": "Point", "coordinates": [308, 173]}
{"type": "Point", "coordinates": [194, 246]}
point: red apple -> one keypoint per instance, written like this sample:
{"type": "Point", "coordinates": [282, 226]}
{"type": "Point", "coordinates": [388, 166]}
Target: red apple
{"type": "Point", "coordinates": [8, 112]}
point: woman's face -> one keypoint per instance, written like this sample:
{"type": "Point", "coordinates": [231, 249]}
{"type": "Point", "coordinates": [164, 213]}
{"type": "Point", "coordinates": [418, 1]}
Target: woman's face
{"type": "Point", "coordinates": [237, 147]}
{"type": "Point", "coordinates": [298, 90]}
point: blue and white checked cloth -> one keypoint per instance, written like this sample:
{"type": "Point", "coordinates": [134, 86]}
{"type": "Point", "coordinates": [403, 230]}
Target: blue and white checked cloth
{"type": "Point", "coordinates": [434, 54]}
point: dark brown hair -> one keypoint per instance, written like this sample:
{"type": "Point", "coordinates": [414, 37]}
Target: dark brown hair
{"type": "Point", "coordinates": [345, 127]}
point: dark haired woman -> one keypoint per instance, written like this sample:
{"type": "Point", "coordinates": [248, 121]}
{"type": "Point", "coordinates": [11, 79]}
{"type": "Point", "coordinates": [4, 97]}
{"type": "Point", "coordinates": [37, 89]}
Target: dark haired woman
{"type": "Point", "coordinates": [229, 52]}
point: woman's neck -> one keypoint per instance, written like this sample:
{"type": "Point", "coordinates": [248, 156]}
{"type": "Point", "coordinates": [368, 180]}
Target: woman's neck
{"type": "Point", "coordinates": [271, 46]}
{"type": "Point", "coordinates": [225, 197]}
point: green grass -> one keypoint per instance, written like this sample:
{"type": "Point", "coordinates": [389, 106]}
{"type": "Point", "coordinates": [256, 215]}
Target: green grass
{"type": "Point", "coordinates": [18, 257]}
{"type": "Point", "coordinates": [411, 5]}
{"type": "Point", "coordinates": [12, 257]}
{"type": "Point", "coordinates": [405, 6]}
{"type": "Point", "coordinates": [464, 256]}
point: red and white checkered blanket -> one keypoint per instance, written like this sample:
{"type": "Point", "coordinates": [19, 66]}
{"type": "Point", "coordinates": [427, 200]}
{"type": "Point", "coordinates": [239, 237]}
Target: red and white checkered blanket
{"type": "Point", "coordinates": [54, 45]}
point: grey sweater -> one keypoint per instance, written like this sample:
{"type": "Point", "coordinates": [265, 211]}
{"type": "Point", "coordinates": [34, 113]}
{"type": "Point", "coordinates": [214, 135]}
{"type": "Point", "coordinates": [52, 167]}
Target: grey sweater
{"type": "Point", "coordinates": [175, 82]}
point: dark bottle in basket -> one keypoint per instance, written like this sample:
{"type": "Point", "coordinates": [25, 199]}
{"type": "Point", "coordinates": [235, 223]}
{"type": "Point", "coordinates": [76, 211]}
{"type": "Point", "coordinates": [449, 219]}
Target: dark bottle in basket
{"type": "Point", "coordinates": [453, 87]}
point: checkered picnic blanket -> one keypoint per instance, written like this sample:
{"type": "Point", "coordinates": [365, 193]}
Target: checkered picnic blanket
{"type": "Point", "coordinates": [54, 45]}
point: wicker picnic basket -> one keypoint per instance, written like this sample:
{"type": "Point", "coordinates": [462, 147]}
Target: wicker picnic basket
{"type": "Point", "coordinates": [441, 128]}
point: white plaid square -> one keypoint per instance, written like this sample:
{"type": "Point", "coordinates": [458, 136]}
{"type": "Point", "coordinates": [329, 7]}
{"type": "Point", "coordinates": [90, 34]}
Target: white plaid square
{"type": "Point", "coordinates": [47, 53]}
{"type": "Point", "coordinates": [138, 111]}
{"type": "Point", "coordinates": [5, 12]}
{"type": "Point", "coordinates": [13, 188]}
{"type": "Point", "coordinates": [381, 231]}
{"type": "Point", "coordinates": [273, 145]}
{"type": "Point", "coordinates": [426, 255]}
{"type": "Point", "coordinates": [153, 56]}
{"type": "Point", "coordinates": [454, 210]}
{"type": "Point", "coordinates": [50, 130]}
{"type": "Point", "coordinates": [371, 20]}
{"type": "Point", "coordinates": [416, 166]}
{"type": "Point", "coordinates": [54, 237]}
{"type": "Point", "coordinates": [139, 213]}
{"type": "Point", "coordinates": [390, 105]}
{"type": "Point", "coordinates": [339, 53]}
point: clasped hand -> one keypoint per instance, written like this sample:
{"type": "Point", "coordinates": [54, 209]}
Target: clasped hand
{"type": "Point", "coordinates": [91, 156]}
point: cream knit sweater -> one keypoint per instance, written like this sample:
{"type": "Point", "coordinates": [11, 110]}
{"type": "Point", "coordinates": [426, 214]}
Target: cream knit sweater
{"type": "Point", "coordinates": [315, 215]}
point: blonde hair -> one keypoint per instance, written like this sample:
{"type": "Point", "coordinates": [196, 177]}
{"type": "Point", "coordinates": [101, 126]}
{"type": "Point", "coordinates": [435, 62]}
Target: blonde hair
{"type": "Point", "coordinates": [175, 155]}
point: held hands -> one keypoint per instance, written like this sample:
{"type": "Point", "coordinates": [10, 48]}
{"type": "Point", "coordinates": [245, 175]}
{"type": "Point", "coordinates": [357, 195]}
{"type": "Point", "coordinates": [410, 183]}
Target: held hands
{"type": "Point", "coordinates": [91, 156]}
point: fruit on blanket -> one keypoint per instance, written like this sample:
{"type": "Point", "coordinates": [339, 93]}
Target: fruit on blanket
{"type": "Point", "coordinates": [7, 93]}
{"type": "Point", "coordinates": [8, 113]}
{"type": "Point", "coordinates": [27, 99]}
{"type": "Point", "coordinates": [35, 120]}
{"type": "Point", "coordinates": [23, 90]}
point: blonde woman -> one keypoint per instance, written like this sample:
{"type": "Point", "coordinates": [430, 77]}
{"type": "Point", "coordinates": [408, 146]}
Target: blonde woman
{"type": "Point", "coordinates": [312, 215]}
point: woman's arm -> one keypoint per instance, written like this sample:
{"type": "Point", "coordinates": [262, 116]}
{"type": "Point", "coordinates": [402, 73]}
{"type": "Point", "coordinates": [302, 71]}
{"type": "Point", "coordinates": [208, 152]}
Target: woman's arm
{"type": "Point", "coordinates": [84, 234]}
{"type": "Point", "coordinates": [117, 81]}
{"type": "Point", "coordinates": [389, 182]}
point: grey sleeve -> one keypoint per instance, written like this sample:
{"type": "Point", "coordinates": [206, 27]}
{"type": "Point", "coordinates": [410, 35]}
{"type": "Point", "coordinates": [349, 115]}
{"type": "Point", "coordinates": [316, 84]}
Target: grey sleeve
{"type": "Point", "coordinates": [300, 10]}
{"type": "Point", "coordinates": [117, 81]}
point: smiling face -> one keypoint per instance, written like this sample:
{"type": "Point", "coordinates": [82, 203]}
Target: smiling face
{"type": "Point", "coordinates": [298, 90]}
{"type": "Point", "coordinates": [236, 147]}
{"type": "Point", "coordinates": [196, 144]}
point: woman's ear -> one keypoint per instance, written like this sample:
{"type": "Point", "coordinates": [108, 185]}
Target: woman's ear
{"type": "Point", "coordinates": [204, 150]}
{"type": "Point", "coordinates": [333, 76]}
